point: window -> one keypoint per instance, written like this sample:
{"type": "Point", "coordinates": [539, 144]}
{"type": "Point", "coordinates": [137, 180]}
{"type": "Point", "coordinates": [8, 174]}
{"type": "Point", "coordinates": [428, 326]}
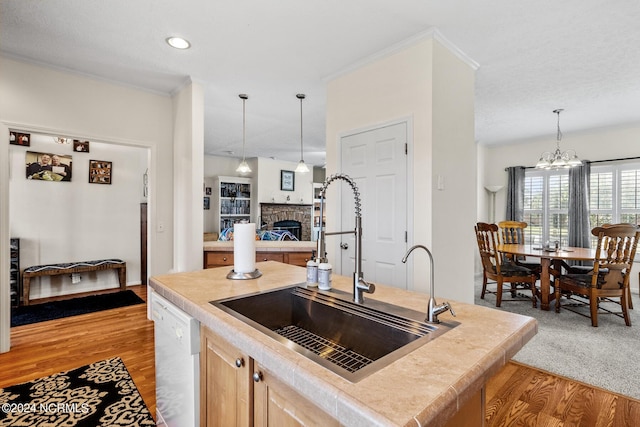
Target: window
{"type": "Point", "coordinates": [614, 196]}
{"type": "Point", "coordinates": [546, 206]}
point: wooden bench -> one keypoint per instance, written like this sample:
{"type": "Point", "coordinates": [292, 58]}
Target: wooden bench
{"type": "Point", "coordinates": [71, 268]}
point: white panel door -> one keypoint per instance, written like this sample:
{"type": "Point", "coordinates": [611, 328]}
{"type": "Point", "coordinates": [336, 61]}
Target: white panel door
{"type": "Point", "coordinates": [376, 160]}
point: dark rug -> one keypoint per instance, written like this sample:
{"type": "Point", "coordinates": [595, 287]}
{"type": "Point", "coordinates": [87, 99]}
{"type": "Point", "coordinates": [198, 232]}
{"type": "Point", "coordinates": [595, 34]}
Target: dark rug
{"type": "Point", "coordinates": [100, 394]}
{"type": "Point", "coordinates": [25, 315]}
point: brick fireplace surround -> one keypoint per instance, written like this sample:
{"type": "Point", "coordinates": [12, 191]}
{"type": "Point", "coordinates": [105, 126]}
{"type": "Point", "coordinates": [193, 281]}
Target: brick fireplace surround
{"type": "Point", "coordinates": [272, 212]}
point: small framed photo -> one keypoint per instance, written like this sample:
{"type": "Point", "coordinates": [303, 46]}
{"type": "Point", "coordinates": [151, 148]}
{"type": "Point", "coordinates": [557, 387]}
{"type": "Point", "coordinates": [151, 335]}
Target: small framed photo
{"type": "Point", "coordinates": [100, 172]}
{"type": "Point", "coordinates": [287, 180]}
{"type": "Point", "coordinates": [80, 146]}
{"type": "Point", "coordinates": [207, 203]}
{"type": "Point", "coordinates": [207, 191]}
{"type": "Point", "coordinates": [16, 138]}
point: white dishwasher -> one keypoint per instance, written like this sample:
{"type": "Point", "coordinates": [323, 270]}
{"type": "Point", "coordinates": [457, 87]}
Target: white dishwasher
{"type": "Point", "coordinates": [177, 351]}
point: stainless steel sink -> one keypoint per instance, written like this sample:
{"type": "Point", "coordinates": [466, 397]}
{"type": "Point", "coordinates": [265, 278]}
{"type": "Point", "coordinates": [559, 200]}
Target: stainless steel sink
{"type": "Point", "coordinates": [352, 340]}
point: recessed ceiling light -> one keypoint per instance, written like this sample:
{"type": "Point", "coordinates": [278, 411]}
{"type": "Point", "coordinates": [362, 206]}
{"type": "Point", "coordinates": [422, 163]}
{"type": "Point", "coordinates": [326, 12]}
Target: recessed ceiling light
{"type": "Point", "coordinates": [178, 43]}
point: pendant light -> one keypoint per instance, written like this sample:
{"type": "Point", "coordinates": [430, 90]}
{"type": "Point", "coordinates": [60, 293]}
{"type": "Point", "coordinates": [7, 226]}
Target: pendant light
{"type": "Point", "coordinates": [243, 167]}
{"type": "Point", "coordinates": [302, 167]}
{"type": "Point", "coordinates": [558, 159]}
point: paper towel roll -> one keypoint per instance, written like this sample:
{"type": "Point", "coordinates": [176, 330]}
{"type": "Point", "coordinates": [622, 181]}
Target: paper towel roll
{"type": "Point", "coordinates": [244, 248]}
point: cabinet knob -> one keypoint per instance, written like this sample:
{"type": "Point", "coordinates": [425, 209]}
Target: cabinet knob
{"type": "Point", "coordinates": [264, 259]}
{"type": "Point", "coordinates": [239, 362]}
{"type": "Point", "coordinates": [224, 258]}
{"type": "Point", "coordinates": [257, 376]}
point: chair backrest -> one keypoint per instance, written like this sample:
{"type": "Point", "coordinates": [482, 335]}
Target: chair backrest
{"type": "Point", "coordinates": [615, 252]}
{"type": "Point", "coordinates": [487, 237]}
{"type": "Point", "coordinates": [512, 232]}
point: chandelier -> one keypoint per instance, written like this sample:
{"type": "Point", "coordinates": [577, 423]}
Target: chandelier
{"type": "Point", "coordinates": [558, 159]}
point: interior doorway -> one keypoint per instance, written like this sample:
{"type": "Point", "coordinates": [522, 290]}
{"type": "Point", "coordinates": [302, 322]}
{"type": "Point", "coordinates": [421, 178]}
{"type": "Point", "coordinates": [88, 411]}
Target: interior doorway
{"type": "Point", "coordinates": [377, 160]}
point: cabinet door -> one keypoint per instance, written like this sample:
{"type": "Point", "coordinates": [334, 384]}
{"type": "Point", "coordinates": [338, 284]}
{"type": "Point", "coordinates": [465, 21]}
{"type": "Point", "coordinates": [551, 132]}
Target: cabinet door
{"type": "Point", "coordinates": [297, 258]}
{"type": "Point", "coordinates": [218, 259]}
{"type": "Point", "coordinates": [277, 405]}
{"type": "Point", "coordinates": [269, 256]}
{"type": "Point", "coordinates": [225, 387]}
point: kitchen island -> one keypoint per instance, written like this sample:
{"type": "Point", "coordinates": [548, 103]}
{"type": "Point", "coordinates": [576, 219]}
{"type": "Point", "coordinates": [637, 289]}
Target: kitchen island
{"type": "Point", "coordinates": [438, 381]}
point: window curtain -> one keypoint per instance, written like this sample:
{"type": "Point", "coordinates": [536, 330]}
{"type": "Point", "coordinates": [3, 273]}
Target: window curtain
{"type": "Point", "coordinates": [579, 225]}
{"type": "Point", "coordinates": [515, 193]}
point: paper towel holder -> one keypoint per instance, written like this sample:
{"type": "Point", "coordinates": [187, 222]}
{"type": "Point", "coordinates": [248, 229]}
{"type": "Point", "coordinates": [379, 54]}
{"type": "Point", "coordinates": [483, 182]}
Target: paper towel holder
{"type": "Point", "coordinates": [244, 276]}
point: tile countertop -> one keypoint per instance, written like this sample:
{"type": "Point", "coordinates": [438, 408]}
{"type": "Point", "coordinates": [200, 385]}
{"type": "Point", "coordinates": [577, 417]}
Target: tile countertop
{"type": "Point", "coordinates": [264, 246]}
{"type": "Point", "coordinates": [425, 387]}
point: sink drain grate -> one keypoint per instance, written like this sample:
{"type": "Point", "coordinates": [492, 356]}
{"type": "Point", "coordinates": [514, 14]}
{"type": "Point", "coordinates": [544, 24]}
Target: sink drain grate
{"type": "Point", "coordinates": [327, 349]}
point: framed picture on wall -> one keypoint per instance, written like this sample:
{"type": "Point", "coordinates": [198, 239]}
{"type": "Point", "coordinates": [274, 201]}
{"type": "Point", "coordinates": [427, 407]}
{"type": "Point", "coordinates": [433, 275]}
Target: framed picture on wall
{"type": "Point", "coordinates": [48, 167]}
{"type": "Point", "coordinates": [16, 138]}
{"type": "Point", "coordinates": [287, 180]}
{"type": "Point", "coordinates": [100, 172]}
{"type": "Point", "coordinates": [80, 146]}
{"type": "Point", "coordinates": [207, 203]}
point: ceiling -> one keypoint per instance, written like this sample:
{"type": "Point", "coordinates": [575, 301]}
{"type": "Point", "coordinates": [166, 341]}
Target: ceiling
{"type": "Point", "coordinates": [533, 57]}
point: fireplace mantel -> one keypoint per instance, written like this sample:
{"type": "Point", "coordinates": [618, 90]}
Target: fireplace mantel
{"type": "Point", "coordinates": [286, 204]}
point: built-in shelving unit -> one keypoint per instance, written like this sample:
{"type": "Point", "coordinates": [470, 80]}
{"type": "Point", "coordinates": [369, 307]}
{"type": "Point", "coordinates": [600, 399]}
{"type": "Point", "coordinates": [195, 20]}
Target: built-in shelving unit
{"type": "Point", "coordinates": [232, 201]}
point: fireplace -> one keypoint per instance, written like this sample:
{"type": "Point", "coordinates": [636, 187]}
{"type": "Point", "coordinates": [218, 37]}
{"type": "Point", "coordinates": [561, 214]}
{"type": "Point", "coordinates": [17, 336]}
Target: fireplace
{"type": "Point", "coordinates": [295, 218]}
{"type": "Point", "coordinates": [290, 225]}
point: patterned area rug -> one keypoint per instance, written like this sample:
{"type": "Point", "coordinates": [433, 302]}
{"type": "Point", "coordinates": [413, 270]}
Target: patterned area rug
{"type": "Point", "coordinates": [100, 394]}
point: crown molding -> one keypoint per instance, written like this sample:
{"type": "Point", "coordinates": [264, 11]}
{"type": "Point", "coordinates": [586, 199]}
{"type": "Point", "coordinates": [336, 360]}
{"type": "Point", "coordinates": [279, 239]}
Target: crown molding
{"type": "Point", "coordinates": [431, 33]}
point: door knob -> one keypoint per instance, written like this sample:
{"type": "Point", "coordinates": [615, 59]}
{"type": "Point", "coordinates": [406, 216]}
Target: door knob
{"type": "Point", "coordinates": [344, 246]}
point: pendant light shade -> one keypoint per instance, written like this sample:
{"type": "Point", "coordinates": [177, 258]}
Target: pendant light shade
{"type": "Point", "coordinates": [243, 167]}
{"type": "Point", "coordinates": [302, 166]}
{"type": "Point", "coordinates": [558, 159]}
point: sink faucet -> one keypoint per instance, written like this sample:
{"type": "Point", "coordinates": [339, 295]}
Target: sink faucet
{"type": "Point", "coordinates": [359, 284]}
{"type": "Point", "coordinates": [433, 310]}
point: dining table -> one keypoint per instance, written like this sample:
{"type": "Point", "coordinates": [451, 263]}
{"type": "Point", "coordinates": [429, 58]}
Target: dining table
{"type": "Point", "coordinates": [550, 263]}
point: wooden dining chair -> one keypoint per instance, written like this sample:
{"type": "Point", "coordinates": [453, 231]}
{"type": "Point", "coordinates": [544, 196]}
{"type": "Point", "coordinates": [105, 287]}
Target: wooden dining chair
{"type": "Point", "coordinates": [503, 273]}
{"type": "Point", "coordinates": [512, 233]}
{"type": "Point", "coordinates": [609, 279]}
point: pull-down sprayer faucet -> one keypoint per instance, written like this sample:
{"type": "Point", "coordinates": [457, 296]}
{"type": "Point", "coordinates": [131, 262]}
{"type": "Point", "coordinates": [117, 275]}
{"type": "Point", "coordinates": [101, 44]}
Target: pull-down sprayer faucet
{"type": "Point", "coordinates": [433, 310]}
{"type": "Point", "coordinates": [359, 284]}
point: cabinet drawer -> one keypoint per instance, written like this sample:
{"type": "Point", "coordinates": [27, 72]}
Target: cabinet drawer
{"type": "Point", "coordinates": [269, 256]}
{"type": "Point", "coordinates": [218, 259]}
{"type": "Point", "coordinates": [297, 258]}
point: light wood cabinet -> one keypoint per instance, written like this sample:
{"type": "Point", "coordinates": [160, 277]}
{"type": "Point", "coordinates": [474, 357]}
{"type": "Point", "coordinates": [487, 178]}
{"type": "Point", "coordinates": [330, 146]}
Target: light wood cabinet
{"type": "Point", "coordinates": [276, 404]}
{"type": "Point", "coordinates": [297, 258]}
{"type": "Point", "coordinates": [225, 383]}
{"type": "Point", "coordinates": [237, 391]}
{"type": "Point", "coordinates": [269, 256]}
{"type": "Point", "coordinates": [221, 259]}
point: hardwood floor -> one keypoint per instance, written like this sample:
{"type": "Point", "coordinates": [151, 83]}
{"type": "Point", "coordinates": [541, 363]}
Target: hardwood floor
{"type": "Point", "coordinates": [42, 349]}
{"type": "Point", "coordinates": [519, 395]}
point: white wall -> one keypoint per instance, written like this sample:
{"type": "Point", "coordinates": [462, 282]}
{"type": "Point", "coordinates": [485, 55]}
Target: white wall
{"type": "Point", "coordinates": [454, 160]}
{"type": "Point", "coordinates": [400, 85]}
{"type": "Point", "coordinates": [59, 222]}
{"type": "Point", "coordinates": [188, 173]}
{"type": "Point", "coordinates": [268, 183]}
